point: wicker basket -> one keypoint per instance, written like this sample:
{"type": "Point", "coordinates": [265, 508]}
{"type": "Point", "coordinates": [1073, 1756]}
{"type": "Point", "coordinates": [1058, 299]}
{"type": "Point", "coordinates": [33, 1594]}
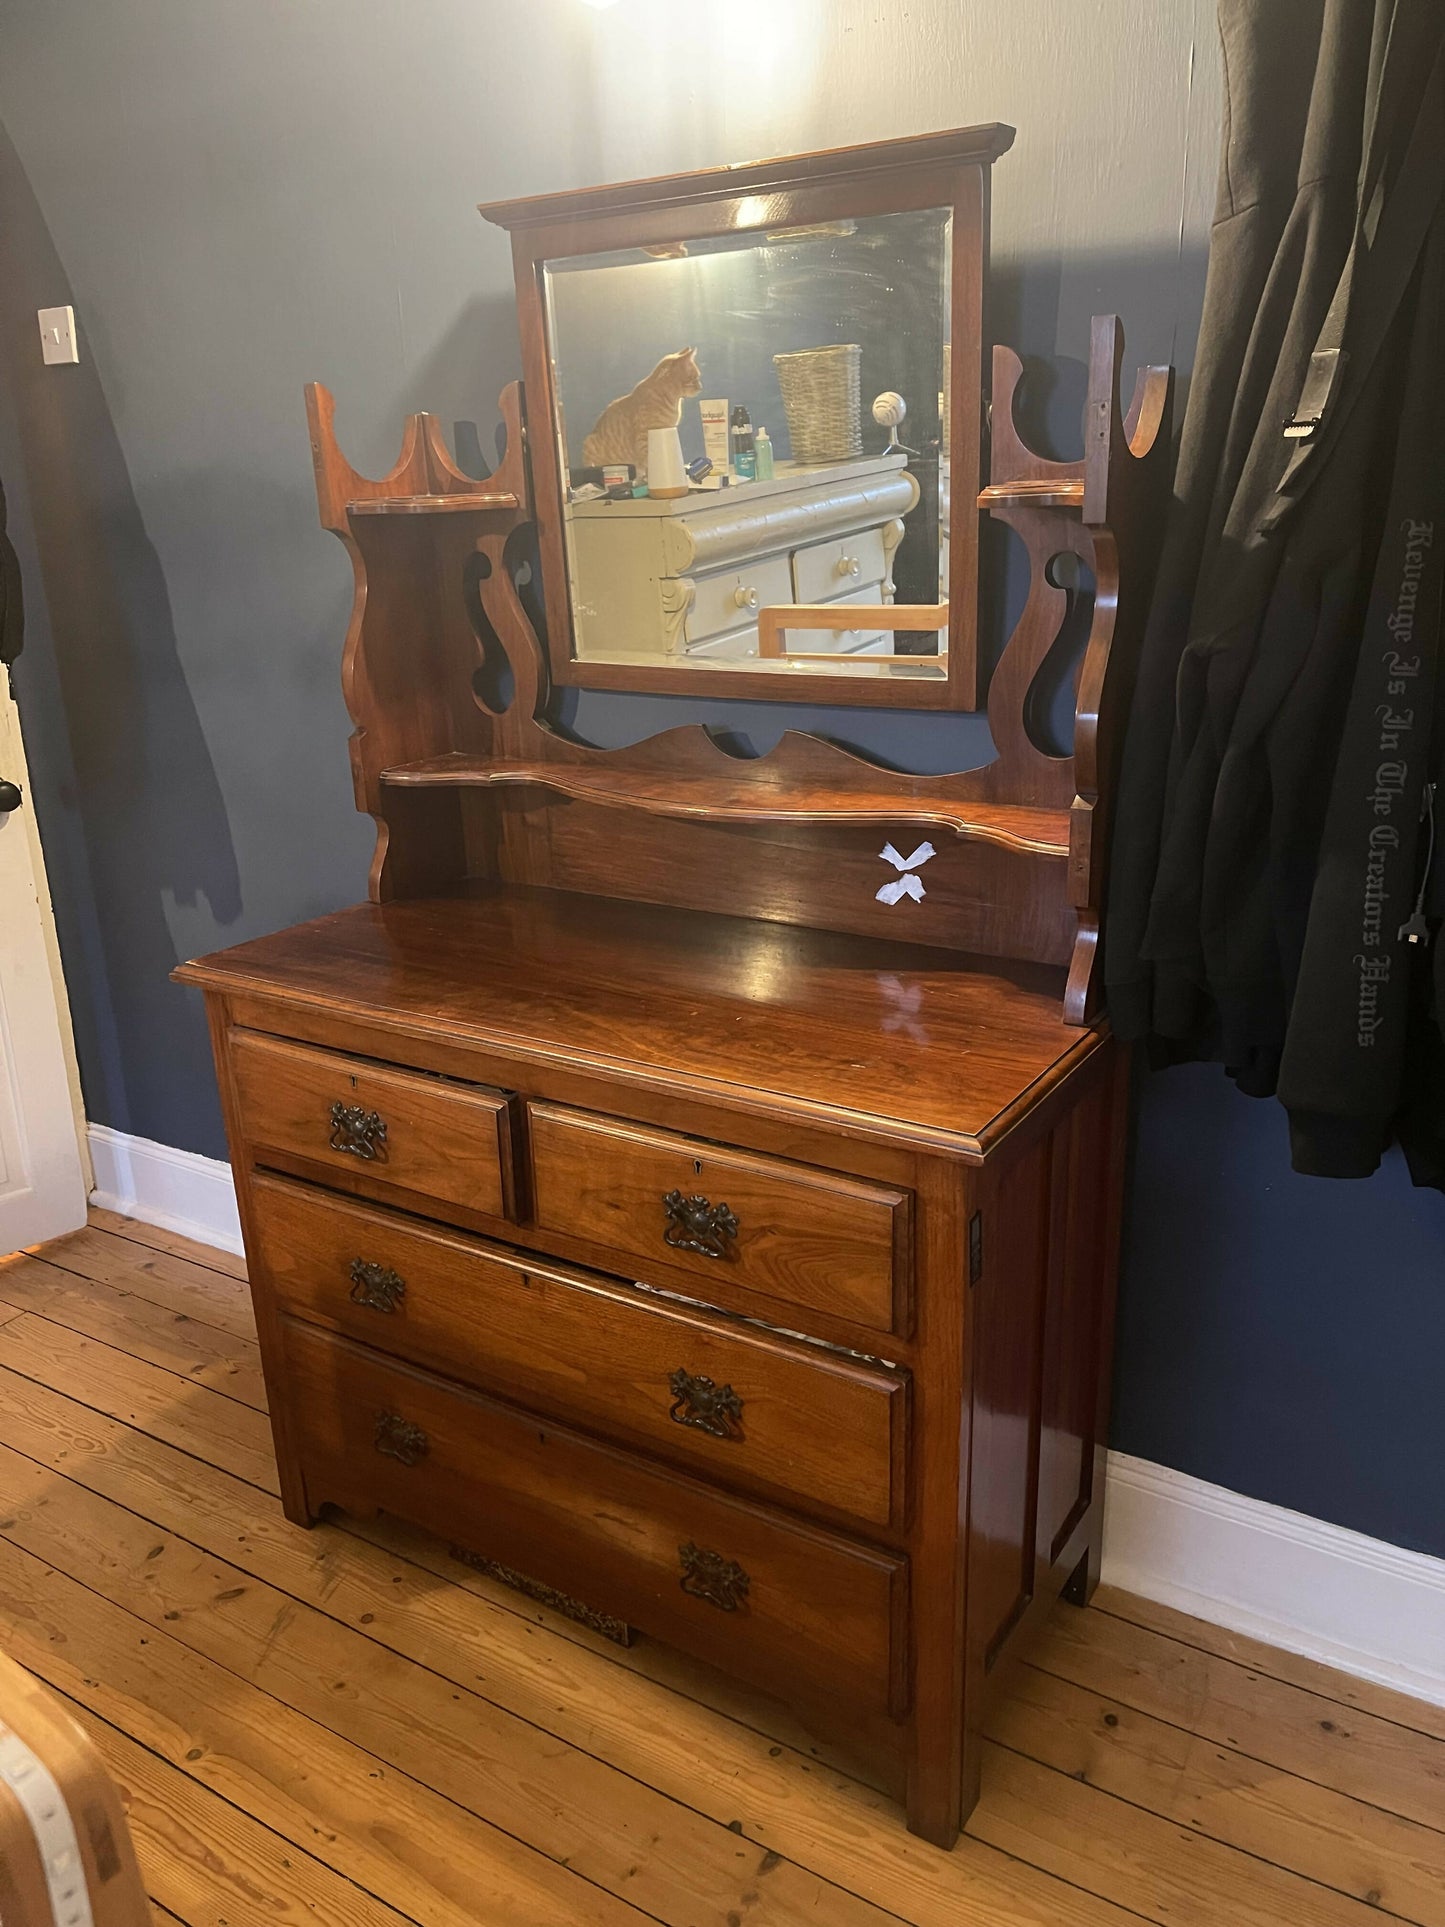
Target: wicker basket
{"type": "Point", "coordinates": [822, 399]}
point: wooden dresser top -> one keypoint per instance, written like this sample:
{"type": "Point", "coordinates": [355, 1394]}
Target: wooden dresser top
{"type": "Point", "coordinates": [890, 1038]}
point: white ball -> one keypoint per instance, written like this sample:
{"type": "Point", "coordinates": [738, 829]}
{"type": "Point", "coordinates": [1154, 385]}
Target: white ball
{"type": "Point", "coordinates": [889, 409]}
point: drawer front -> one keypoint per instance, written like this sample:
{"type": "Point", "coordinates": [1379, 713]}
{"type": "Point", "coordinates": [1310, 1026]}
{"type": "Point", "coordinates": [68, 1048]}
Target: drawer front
{"type": "Point", "coordinates": [825, 570]}
{"type": "Point", "coordinates": [725, 600]}
{"type": "Point", "coordinates": [377, 1131]}
{"type": "Point", "coordinates": [756, 1412]}
{"type": "Point", "coordinates": [724, 1218]}
{"type": "Point", "coordinates": [735, 645]}
{"type": "Point", "coordinates": [785, 1604]}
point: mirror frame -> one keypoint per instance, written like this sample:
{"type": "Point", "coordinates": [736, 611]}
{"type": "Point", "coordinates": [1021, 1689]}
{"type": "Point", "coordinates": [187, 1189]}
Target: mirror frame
{"type": "Point", "coordinates": [948, 169]}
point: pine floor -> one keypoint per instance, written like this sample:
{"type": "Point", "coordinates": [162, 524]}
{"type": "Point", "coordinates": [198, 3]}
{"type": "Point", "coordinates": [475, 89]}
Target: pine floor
{"type": "Point", "coordinates": [345, 1726]}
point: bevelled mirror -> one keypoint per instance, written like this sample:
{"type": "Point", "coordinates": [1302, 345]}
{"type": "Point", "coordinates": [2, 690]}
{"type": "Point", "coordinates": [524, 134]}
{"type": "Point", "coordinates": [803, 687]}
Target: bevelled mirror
{"type": "Point", "coordinates": [754, 417]}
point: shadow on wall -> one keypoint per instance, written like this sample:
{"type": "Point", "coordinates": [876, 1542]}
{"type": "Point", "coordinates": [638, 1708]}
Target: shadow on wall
{"type": "Point", "coordinates": [145, 791]}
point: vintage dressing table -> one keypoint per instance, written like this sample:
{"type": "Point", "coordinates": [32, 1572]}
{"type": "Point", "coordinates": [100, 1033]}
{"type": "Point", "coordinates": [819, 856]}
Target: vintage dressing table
{"type": "Point", "coordinates": [705, 1221]}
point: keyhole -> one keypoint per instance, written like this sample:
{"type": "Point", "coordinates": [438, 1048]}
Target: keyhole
{"type": "Point", "coordinates": [697, 1167]}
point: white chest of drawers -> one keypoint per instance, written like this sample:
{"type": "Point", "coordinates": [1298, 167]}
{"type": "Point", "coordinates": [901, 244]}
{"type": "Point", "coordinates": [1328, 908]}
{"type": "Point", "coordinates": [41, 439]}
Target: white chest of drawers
{"type": "Point", "coordinates": [655, 578]}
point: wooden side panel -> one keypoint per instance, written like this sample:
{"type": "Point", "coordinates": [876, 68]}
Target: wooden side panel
{"type": "Point", "coordinates": [1008, 1333]}
{"type": "Point", "coordinates": [1042, 1352]}
{"type": "Point", "coordinates": [1082, 1150]}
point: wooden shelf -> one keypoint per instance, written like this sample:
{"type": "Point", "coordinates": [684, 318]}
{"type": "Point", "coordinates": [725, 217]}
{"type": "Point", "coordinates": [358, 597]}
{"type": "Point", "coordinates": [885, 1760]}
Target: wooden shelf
{"type": "Point", "coordinates": [1040, 491]}
{"type": "Point", "coordinates": [484, 499]}
{"type": "Point", "coordinates": [724, 798]}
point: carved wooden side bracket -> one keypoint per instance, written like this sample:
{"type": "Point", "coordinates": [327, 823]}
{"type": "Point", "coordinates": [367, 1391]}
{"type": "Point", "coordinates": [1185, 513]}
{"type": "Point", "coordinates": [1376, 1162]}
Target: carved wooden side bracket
{"type": "Point", "coordinates": [1108, 510]}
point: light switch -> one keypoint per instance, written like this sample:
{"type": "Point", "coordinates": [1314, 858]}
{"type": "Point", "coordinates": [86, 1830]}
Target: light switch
{"type": "Point", "coordinates": [57, 335]}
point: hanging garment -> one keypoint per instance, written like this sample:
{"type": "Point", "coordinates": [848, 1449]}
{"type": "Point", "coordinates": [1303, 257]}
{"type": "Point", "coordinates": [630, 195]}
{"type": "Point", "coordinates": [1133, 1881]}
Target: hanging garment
{"type": "Point", "coordinates": [1315, 406]}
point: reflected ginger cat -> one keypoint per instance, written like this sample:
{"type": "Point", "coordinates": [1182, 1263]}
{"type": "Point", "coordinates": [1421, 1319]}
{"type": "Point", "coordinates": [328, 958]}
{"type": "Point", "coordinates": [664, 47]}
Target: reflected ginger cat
{"type": "Point", "coordinates": [620, 431]}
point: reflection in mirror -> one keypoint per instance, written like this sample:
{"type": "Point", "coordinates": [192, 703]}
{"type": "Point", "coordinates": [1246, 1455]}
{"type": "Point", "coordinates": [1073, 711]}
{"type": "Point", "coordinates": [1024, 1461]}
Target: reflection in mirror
{"type": "Point", "coordinates": [757, 422]}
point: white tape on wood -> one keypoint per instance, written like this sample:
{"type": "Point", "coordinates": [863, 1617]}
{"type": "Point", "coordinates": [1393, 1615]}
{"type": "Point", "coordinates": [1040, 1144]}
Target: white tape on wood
{"type": "Point", "coordinates": [43, 1804]}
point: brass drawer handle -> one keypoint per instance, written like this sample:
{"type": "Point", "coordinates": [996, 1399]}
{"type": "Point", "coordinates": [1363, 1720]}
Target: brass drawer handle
{"type": "Point", "coordinates": [376, 1286]}
{"type": "Point", "coordinates": [708, 1575]}
{"type": "Point", "coordinates": [361, 1132]}
{"type": "Point", "coordinates": [693, 1224]}
{"type": "Point", "coordinates": [397, 1438]}
{"type": "Point", "coordinates": [702, 1403]}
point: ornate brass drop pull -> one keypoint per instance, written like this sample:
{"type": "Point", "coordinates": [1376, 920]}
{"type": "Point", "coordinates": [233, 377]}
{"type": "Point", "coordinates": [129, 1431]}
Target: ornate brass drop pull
{"type": "Point", "coordinates": [376, 1286]}
{"type": "Point", "coordinates": [362, 1133]}
{"type": "Point", "coordinates": [693, 1224]}
{"type": "Point", "coordinates": [707, 1575]}
{"type": "Point", "coordinates": [398, 1438]}
{"type": "Point", "coordinates": [699, 1401]}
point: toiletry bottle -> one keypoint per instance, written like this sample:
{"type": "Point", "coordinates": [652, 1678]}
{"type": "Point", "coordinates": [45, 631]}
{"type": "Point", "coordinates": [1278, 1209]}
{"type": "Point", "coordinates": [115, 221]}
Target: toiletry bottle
{"type": "Point", "coordinates": [763, 453]}
{"type": "Point", "coordinates": [745, 455]}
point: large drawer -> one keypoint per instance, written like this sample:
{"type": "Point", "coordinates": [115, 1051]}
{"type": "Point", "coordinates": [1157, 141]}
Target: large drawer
{"type": "Point", "coordinates": [385, 1133]}
{"type": "Point", "coordinates": [664, 1202]}
{"type": "Point", "coordinates": [785, 1604]}
{"type": "Point", "coordinates": [793, 1421]}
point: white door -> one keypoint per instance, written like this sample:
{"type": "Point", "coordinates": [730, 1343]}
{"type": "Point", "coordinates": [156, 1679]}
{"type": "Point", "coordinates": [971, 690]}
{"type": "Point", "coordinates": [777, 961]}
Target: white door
{"type": "Point", "coordinates": [42, 1183]}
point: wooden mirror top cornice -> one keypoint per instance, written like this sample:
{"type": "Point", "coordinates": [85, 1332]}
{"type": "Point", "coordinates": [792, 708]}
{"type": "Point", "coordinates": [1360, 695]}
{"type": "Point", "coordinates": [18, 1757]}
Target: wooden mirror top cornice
{"type": "Point", "coordinates": [979, 146]}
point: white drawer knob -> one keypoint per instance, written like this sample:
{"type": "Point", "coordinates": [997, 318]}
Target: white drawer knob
{"type": "Point", "coordinates": [745, 597]}
{"type": "Point", "coordinates": [849, 565]}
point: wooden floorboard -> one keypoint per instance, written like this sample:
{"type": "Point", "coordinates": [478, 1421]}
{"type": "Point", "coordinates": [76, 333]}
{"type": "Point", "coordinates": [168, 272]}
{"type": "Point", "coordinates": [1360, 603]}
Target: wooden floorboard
{"type": "Point", "coordinates": [207, 1861]}
{"type": "Point", "coordinates": [1290, 1728]}
{"type": "Point", "coordinates": [176, 1340]}
{"type": "Point", "coordinates": [160, 1239]}
{"type": "Point", "coordinates": [1274, 1662]}
{"type": "Point", "coordinates": [346, 1726]}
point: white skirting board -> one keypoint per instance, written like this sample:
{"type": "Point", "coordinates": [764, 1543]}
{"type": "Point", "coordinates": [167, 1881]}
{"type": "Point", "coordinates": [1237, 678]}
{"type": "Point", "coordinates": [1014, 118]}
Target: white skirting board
{"type": "Point", "coordinates": [178, 1190]}
{"type": "Point", "coordinates": [1316, 1589]}
{"type": "Point", "coordinates": [1353, 1602]}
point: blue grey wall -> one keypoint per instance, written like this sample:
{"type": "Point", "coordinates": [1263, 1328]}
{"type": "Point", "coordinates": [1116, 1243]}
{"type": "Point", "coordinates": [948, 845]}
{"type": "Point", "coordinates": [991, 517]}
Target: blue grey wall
{"type": "Point", "coordinates": [241, 197]}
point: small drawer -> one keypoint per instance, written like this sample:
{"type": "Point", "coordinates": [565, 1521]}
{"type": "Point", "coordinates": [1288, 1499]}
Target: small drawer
{"type": "Point", "coordinates": [787, 1605]}
{"type": "Point", "coordinates": [803, 1425]}
{"type": "Point", "coordinates": [381, 1132]}
{"type": "Point", "coordinates": [826, 570]}
{"type": "Point", "coordinates": [732, 597]}
{"type": "Point", "coordinates": [723, 1218]}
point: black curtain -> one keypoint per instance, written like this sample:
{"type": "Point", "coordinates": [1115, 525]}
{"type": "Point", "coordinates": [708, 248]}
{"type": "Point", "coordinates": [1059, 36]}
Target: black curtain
{"type": "Point", "coordinates": [1273, 820]}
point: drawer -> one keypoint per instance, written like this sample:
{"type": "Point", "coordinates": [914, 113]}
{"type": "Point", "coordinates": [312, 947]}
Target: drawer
{"type": "Point", "coordinates": [377, 1131]}
{"type": "Point", "coordinates": [736, 645]}
{"type": "Point", "coordinates": [787, 1605]}
{"type": "Point", "coordinates": [721, 1217]}
{"type": "Point", "coordinates": [725, 600]}
{"type": "Point", "coordinates": [754, 1411]}
{"type": "Point", "coordinates": [825, 570]}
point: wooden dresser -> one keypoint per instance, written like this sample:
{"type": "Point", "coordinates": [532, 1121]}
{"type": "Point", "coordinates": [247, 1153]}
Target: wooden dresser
{"type": "Point", "coordinates": [691, 1184]}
